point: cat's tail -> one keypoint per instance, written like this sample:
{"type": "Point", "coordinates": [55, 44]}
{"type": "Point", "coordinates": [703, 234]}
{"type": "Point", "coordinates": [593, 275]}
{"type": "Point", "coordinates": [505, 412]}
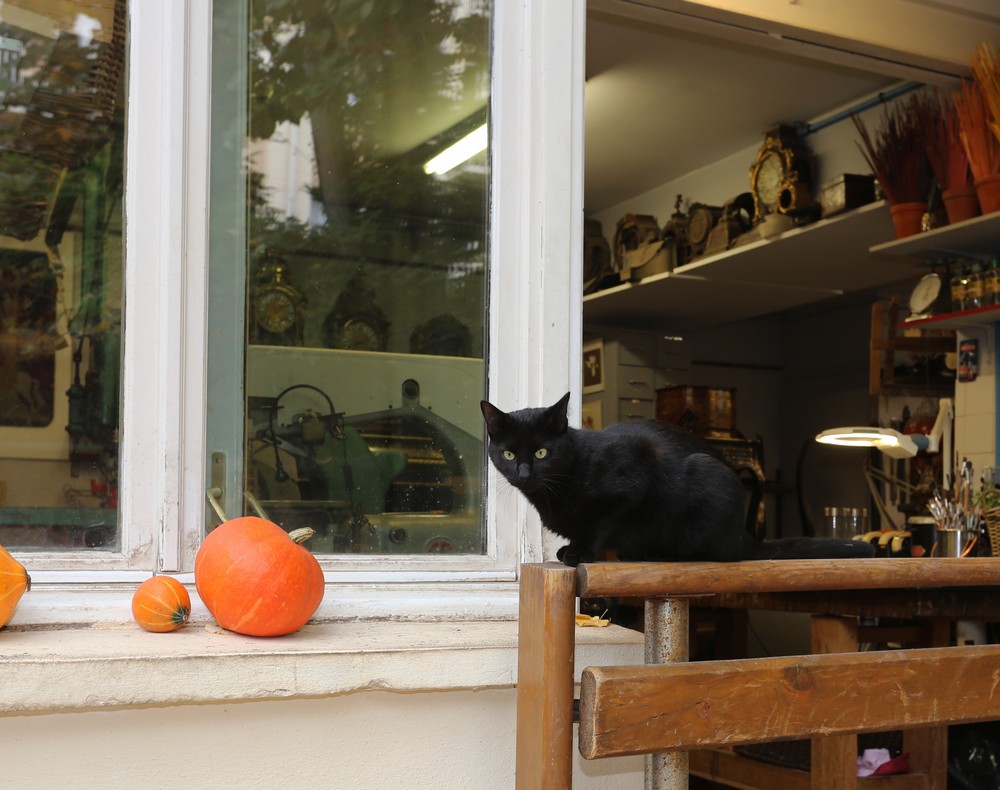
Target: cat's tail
{"type": "Point", "coordinates": [809, 549]}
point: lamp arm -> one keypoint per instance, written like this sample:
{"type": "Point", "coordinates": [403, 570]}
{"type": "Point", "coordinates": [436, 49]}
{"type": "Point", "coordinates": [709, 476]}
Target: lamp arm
{"type": "Point", "coordinates": [877, 497]}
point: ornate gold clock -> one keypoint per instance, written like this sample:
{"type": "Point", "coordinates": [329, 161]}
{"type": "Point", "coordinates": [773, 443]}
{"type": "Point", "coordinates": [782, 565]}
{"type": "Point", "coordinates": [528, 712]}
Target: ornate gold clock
{"type": "Point", "coordinates": [780, 175]}
{"type": "Point", "coordinates": [277, 308]}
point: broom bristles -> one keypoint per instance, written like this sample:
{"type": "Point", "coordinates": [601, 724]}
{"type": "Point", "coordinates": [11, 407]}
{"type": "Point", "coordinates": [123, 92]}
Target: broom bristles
{"type": "Point", "coordinates": [986, 72]}
{"type": "Point", "coordinates": [979, 134]}
{"type": "Point", "coordinates": [896, 153]}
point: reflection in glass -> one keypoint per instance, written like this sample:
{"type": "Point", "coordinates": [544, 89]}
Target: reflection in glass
{"type": "Point", "coordinates": [62, 76]}
{"type": "Point", "coordinates": [365, 274]}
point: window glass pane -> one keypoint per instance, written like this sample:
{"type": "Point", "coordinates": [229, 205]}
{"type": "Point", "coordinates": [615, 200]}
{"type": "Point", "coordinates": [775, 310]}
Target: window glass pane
{"type": "Point", "coordinates": [360, 269]}
{"type": "Point", "coordinates": [62, 81]}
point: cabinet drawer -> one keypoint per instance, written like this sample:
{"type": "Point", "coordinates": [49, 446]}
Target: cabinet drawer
{"type": "Point", "coordinates": [635, 409]}
{"type": "Point", "coordinates": [636, 348]}
{"type": "Point", "coordinates": [636, 383]}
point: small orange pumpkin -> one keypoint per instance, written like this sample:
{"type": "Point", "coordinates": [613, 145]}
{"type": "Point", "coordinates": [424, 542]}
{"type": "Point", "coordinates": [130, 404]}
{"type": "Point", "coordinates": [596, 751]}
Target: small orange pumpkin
{"type": "Point", "coordinates": [161, 604]}
{"type": "Point", "coordinates": [14, 581]}
{"type": "Point", "coordinates": [256, 579]}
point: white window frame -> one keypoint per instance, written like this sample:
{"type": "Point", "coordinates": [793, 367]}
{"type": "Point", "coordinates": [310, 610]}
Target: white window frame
{"type": "Point", "coordinates": [535, 295]}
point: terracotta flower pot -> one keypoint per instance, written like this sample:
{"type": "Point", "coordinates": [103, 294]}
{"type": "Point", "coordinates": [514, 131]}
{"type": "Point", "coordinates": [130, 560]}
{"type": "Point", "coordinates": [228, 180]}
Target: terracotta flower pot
{"type": "Point", "coordinates": [988, 191]}
{"type": "Point", "coordinates": [960, 204]}
{"type": "Point", "coordinates": [906, 218]}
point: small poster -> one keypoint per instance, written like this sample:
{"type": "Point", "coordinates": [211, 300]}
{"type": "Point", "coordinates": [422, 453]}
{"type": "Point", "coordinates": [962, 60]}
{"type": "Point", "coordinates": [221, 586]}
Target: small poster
{"type": "Point", "coordinates": [968, 360]}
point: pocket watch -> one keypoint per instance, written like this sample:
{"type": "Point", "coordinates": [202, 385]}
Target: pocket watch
{"type": "Point", "coordinates": [780, 174]}
{"type": "Point", "coordinates": [277, 307]}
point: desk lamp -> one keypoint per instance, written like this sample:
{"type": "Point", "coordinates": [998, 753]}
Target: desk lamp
{"type": "Point", "coordinates": [901, 445]}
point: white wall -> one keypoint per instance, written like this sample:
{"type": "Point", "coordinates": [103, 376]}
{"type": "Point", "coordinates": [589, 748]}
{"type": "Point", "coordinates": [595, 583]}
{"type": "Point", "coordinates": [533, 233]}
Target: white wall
{"type": "Point", "coordinates": [461, 740]}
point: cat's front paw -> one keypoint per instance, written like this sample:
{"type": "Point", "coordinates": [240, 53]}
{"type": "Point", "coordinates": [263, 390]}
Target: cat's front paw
{"type": "Point", "coordinates": [573, 555]}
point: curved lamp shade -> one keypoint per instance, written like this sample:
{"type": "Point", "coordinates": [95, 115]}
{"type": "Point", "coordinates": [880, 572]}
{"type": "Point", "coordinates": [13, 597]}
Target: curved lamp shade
{"type": "Point", "coordinates": [889, 441]}
{"type": "Point", "coordinates": [900, 445]}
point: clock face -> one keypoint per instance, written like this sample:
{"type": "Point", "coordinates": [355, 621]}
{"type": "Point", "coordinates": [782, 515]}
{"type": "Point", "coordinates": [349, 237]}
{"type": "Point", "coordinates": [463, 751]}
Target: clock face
{"type": "Point", "coordinates": [924, 294]}
{"type": "Point", "coordinates": [770, 176]}
{"type": "Point", "coordinates": [699, 225]}
{"type": "Point", "coordinates": [359, 335]}
{"type": "Point", "coordinates": [274, 311]}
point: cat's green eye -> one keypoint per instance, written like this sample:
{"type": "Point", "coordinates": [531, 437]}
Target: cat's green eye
{"type": "Point", "coordinates": [508, 455]}
{"type": "Point", "coordinates": [541, 453]}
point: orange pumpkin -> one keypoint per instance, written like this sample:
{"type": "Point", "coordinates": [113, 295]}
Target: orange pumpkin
{"type": "Point", "coordinates": [256, 579]}
{"type": "Point", "coordinates": [161, 604]}
{"type": "Point", "coordinates": [14, 580]}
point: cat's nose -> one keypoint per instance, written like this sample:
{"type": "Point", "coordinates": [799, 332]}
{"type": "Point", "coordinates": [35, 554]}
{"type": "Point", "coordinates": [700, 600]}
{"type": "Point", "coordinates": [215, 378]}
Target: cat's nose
{"type": "Point", "coordinates": [523, 471]}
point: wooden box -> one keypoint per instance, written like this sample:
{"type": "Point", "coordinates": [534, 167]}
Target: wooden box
{"type": "Point", "coordinates": [846, 192]}
{"type": "Point", "coordinates": [709, 411]}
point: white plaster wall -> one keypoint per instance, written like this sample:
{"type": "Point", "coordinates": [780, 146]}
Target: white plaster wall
{"type": "Point", "coordinates": [976, 405]}
{"type": "Point", "coordinates": [377, 740]}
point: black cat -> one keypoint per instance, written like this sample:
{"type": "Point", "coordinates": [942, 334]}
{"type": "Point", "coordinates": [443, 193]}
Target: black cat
{"type": "Point", "coordinates": [645, 491]}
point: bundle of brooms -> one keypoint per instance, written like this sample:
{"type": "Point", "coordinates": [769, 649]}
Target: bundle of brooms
{"type": "Point", "coordinates": [946, 153]}
{"type": "Point", "coordinates": [986, 71]}
{"type": "Point", "coordinates": [982, 147]}
{"type": "Point", "coordinates": [896, 153]}
{"type": "Point", "coordinates": [978, 105]}
{"type": "Point", "coordinates": [943, 141]}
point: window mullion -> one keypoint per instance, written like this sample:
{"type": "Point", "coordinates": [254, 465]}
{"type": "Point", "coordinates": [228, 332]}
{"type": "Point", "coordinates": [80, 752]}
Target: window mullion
{"type": "Point", "coordinates": [156, 322]}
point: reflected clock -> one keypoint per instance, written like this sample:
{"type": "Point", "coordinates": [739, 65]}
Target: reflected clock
{"type": "Point", "coordinates": [356, 321]}
{"type": "Point", "coordinates": [278, 308]}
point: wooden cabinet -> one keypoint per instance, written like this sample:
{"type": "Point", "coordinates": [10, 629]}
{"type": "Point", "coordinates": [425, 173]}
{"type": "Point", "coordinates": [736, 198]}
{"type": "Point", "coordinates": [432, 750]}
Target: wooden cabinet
{"type": "Point", "coordinates": [974, 238]}
{"type": "Point", "coordinates": [636, 364]}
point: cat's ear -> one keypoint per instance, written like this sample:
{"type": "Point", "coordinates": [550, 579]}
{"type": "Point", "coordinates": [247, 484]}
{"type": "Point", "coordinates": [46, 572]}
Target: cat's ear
{"type": "Point", "coordinates": [556, 414]}
{"type": "Point", "coordinates": [493, 416]}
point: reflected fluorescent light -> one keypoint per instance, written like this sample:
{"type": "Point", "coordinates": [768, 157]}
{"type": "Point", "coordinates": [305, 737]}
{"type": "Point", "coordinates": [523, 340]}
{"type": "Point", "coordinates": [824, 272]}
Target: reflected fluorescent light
{"type": "Point", "coordinates": [889, 441]}
{"type": "Point", "coordinates": [457, 153]}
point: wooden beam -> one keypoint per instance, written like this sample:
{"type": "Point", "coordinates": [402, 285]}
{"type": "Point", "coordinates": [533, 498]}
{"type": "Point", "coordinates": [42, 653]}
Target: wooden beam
{"type": "Point", "coordinates": [957, 603]}
{"type": "Point", "coordinates": [665, 579]}
{"type": "Point", "coordinates": [733, 770]}
{"type": "Point", "coordinates": [637, 710]}
{"type": "Point", "coordinates": [833, 759]}
{"type": "Point", "coordinates": [725, 767]}
{"type": "Point", "coordinates": [546, 641]}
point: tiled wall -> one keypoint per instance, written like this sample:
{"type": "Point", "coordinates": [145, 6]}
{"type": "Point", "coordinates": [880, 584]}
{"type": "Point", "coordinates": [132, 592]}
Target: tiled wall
{"type": "Point", "coordinates": [976, 404]}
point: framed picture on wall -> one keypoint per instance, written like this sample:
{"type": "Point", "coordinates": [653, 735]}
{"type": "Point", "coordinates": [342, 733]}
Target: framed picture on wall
{"type": "Point", "coordinates": [593, 366]}
{"type": "Point", "coordinates": [591, 416]}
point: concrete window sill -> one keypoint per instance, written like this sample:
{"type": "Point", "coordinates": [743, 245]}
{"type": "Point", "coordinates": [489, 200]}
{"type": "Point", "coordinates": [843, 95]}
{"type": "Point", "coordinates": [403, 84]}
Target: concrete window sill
{"type": "Point", "coordinates": [112, 665]}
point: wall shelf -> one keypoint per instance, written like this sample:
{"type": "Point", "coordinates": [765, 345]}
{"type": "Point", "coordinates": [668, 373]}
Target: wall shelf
{"type": "Point", "coordinates": [979, 316]}
{"type": "Point", "coordinates": [827, 258]}
{"type": "Point", "coordinates": [977, 237]}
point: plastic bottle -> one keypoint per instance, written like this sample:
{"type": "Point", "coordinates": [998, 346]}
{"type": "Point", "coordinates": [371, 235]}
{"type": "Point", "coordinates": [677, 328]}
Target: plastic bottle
{"type": "Point", "coordinates": [974, 287]}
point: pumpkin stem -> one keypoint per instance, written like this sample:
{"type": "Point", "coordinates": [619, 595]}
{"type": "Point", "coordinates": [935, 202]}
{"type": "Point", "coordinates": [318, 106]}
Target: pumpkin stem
{"type": "Point", "coordinates": [301, 535]}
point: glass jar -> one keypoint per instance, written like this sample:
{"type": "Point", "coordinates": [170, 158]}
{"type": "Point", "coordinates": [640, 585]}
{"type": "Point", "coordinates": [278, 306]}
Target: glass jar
{"type": "Point", "coordinates": [958, 283]}
{"type": "Point", "coordinates": [974, 287]}
{"type": "Point", "coordinates": [991, 283]}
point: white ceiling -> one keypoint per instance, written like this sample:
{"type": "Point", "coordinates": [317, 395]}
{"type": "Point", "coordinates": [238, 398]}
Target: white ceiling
{"type": "Point", "coordinates": [662, 102]}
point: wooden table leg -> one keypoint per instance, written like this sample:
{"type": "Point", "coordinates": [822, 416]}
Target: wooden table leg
{"type": "Point", "coordinates": [546, 646]}
{"type": "Point", "coordinates": [928, 746]}
{"type": "Point", "coordinates": [834, 758]}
